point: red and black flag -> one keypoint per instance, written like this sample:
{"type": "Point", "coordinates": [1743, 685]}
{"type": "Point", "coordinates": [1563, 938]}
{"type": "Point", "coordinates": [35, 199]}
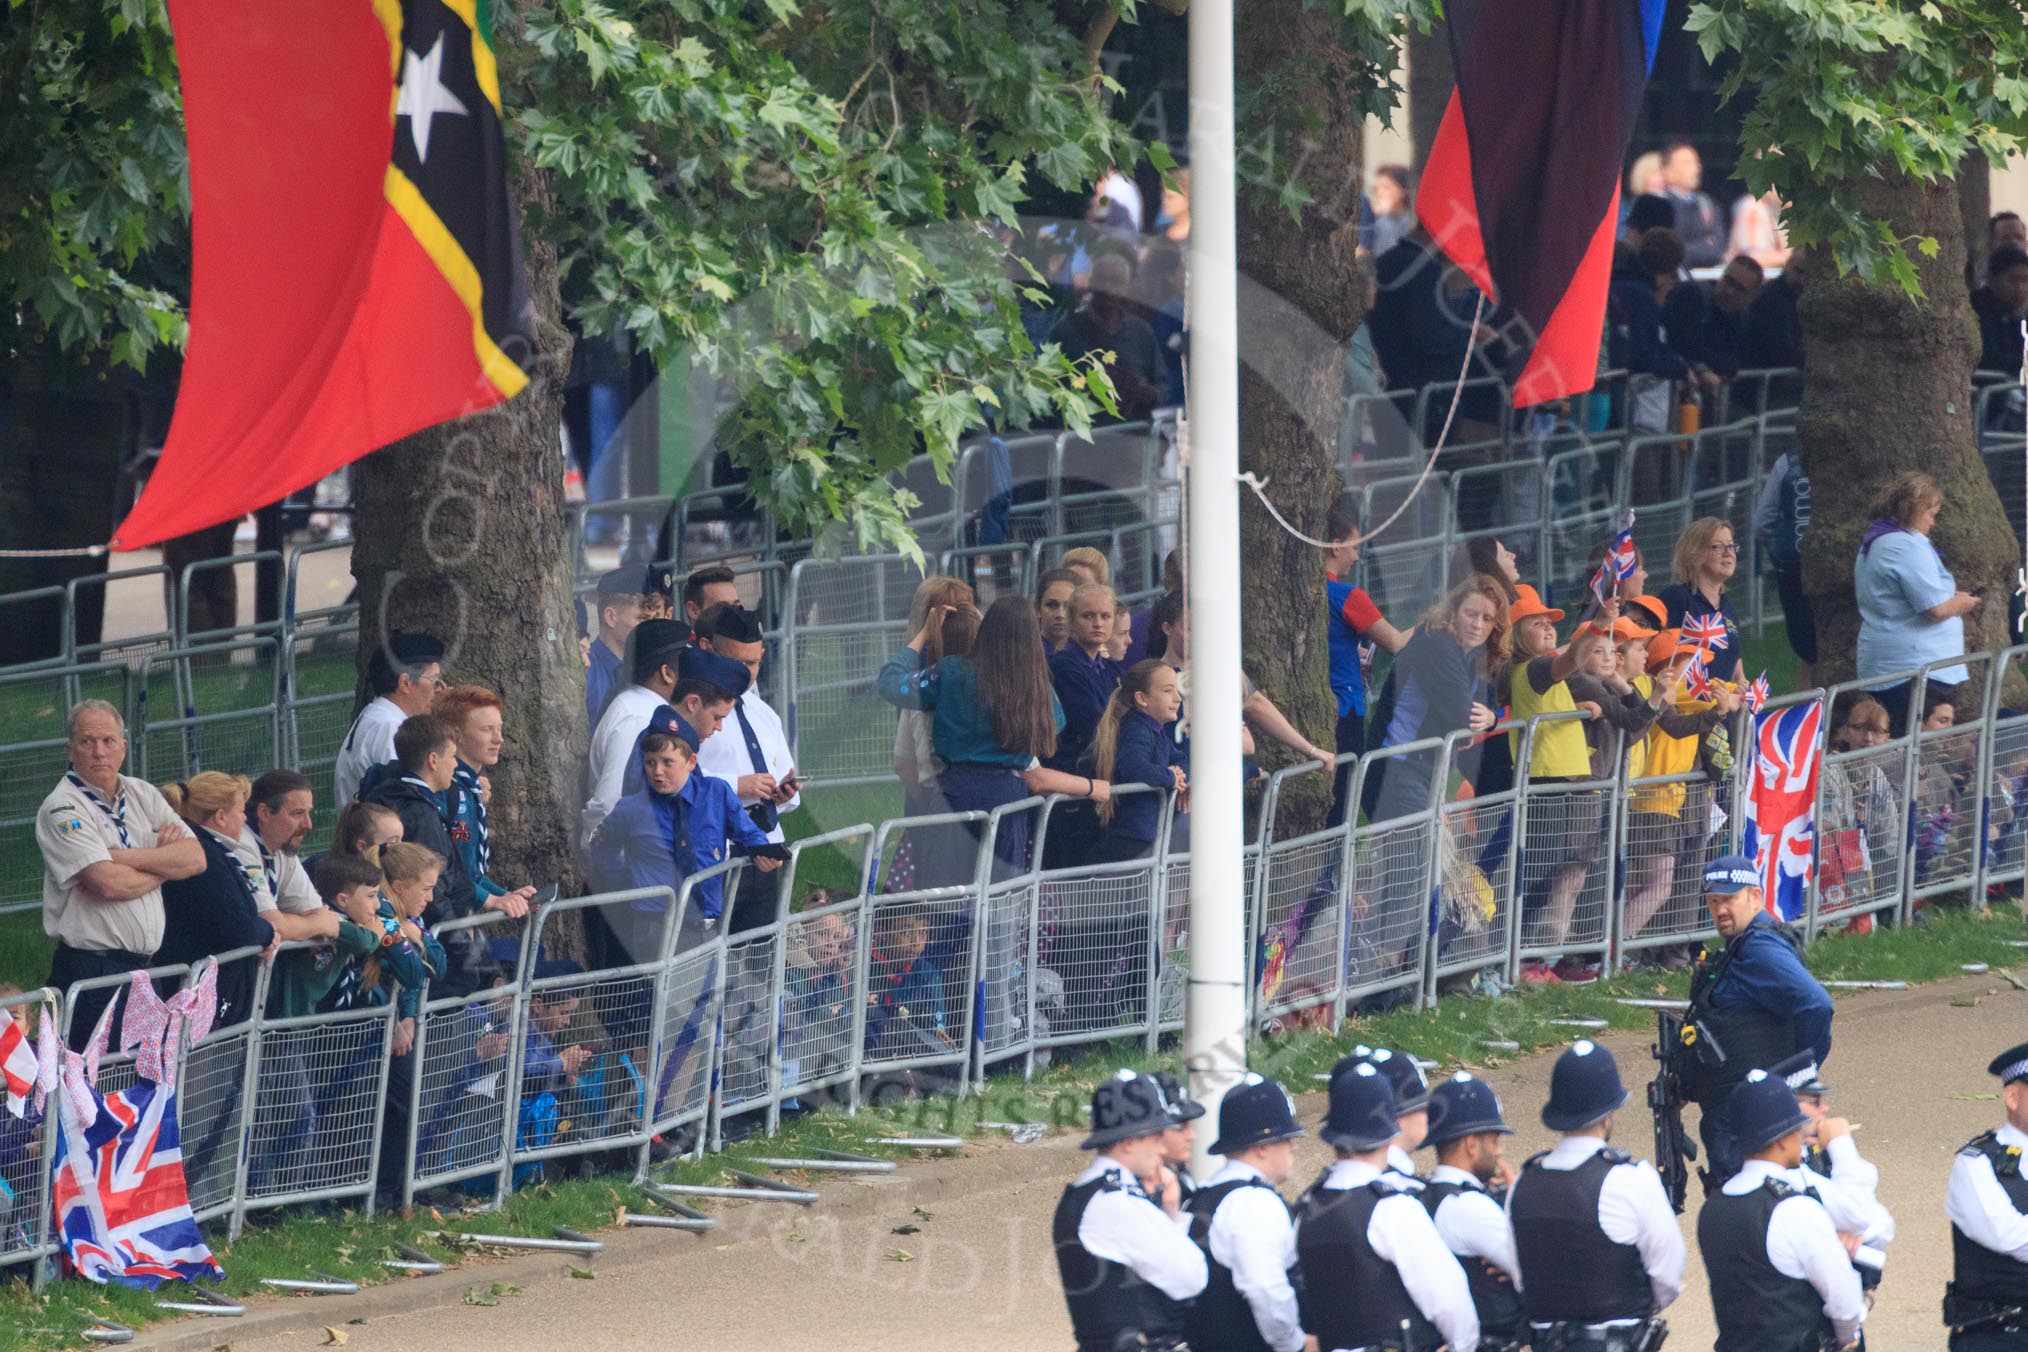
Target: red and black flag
{"type": "Point", "coordinates": [1522, 186]}
{"type": "Point", "coordinates": [356, 263]}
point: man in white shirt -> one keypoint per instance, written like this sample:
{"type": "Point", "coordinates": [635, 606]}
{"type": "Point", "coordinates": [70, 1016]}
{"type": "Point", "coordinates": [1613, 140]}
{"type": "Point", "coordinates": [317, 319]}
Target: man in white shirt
{"type": "Point", "coordinates": [1845, 1181]}
{"type": "Point", "coordinates": [404, 674]}
{"type": "Point", "coordinates": [1600, 1252]}
{"type": "Point", "coordinates": [1986, 1303]}
{"type": "Point", "coordinates": [750, 751]}
{"type": "Point", "coordinates": [1465, 1127]}
{"type": "Point", "coordinates": [1778, 1272]}
{"type": "Point", "coordinates": [108, 844]}
{"type": "Point", "coordinates": [277, 823]}
{"type": "Point", "coordinates": [1125, 1256]}
{"type": "Point", "coordinates": [1363, 1225]}
{"type": "Point", "coordinates": [1244, 1227]}
{"type": "Point", "coordinates": [657, 650]}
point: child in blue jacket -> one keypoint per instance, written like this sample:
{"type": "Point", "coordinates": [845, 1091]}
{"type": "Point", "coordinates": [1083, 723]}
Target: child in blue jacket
{"type": "Point", "coordinates": [1136, 744]}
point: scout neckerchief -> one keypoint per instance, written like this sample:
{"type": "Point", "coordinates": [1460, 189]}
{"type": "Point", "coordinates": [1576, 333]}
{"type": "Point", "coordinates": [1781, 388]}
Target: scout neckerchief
{"type": "Point", "coordinates": [114, 812]}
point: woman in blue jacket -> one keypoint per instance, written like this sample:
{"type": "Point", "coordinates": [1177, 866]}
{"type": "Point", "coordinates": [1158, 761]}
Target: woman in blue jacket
{"type": "Point", "coordinates": [218, 910]}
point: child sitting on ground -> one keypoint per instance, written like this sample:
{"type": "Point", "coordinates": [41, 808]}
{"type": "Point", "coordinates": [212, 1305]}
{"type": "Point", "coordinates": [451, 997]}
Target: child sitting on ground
{"type": "Point", "coordinates": [905, 1005]}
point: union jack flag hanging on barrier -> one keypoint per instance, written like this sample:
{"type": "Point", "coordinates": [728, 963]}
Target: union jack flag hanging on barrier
{"type": "Point", "coordinates": [1706, 631]}
{"type": "Point", "coordinates": [1780, 814]}
{"type": "Point", "coordinates": [17, 1065]}
{"type": "Point", "coordinates": [122, 1203]}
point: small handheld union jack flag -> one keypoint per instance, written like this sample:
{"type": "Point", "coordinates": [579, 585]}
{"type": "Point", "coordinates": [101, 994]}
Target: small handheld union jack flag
{"type": "Point", "coordinates": [1696, 679]}
{"type": "Point", "coordinates": [1759, 693]}
{"type": "Point", "coordinates": [1621, 559]}
{"type": "Point", "coordinates": [1706, 631]}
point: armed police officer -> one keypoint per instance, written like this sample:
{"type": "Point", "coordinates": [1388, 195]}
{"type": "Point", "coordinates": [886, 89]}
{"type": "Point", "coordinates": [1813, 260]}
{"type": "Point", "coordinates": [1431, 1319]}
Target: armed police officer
{"type": "Point", "coordinates": [1986, 1303]}
{"type": "Point", "coordinates": [1781, 1279]}
{"type": "Point", "coordinates": [1752, 1004]}
{"type": "Point", "coordinates": [1376, 1274]}
{"type": "Point", "coordinates": [1466, 1196]}
{"type": "Point", "coordinates": [1245, 1229]}
{"type": "Point", "coordinates": [1125, 1257]}
{"type": "Point", "coordinates": [1600, 1254]}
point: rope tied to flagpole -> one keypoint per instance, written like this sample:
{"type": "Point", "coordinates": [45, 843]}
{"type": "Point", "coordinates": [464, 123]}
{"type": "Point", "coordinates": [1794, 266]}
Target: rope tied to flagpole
{"type": "Point", "coordinates": [1259, 485]}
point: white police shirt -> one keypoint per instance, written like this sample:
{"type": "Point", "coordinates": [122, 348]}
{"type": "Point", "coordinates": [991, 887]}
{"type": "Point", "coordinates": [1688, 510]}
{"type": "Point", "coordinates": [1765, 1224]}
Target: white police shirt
{"type": "Point", "coordinates": [627, 715]}
{"type": "Point", "coordinates": [1978, 1205]}
{"type": "Point", "coordinates": [1254, 1238]}
{"type": "Point", "coordinates": [1803, 1243]}
{"type": "Point", "coordinates": [1472, 1223]}
{"type": "Point", "coordinates": [1124, 1226]}
{"type": "Point", "coordinates": [1848, 1193]}
{"type": "Point", "coordinates": [368, 743]}
{"type": "Point", "coordinates": [1633, 1208]}
{"type": "Point", "coordinates": [1400, 1160]}
{"type": "Point", "coordinates": [1402, 1233]}
{"type": "Point", "coordinates": [724, 754]}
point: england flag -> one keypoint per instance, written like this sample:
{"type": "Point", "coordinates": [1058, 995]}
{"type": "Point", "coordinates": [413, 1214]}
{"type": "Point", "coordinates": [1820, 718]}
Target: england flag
{"type": "Point", "coordinates": [1780, 815]}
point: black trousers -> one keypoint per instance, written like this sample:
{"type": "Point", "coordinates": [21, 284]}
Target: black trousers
{"type": "Point", "coordinates": [82, 964]}
{"type": "Point", "coordinates": [2007, 1338]}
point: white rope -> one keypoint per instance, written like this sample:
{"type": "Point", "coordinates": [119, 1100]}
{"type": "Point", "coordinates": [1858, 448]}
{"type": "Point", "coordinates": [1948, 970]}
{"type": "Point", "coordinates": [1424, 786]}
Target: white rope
{"type": "Point", "coordinates": [81, 552]}
{"type": "Point", "coordinates": [2021, 578]}
{"type": "Point", "coordinates": [1259, 485]}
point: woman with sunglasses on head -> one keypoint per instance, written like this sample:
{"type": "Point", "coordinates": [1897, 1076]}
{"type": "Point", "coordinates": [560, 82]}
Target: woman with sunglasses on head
{"type": "Point", "coordinates": [1706, 557]}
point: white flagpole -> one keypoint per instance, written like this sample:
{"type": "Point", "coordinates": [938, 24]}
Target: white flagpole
{"type": "Point", "coordinates": [1214, 1036]}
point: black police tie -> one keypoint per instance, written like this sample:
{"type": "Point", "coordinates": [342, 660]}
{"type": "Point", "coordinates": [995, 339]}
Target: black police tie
{"type": "Point", "coordinates": [763, 813]}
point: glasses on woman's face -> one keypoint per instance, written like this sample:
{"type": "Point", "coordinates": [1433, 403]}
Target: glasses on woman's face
{"type": "Point", "coordinates": [1724, 546]}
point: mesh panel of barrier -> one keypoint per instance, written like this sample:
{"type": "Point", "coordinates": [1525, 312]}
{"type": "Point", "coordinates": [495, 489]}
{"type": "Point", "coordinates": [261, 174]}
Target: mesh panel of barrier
{"type": "Point", "coordinates": [1862, 853]}
{"type": "Point", "coordinates": [1475, 877]}
{"type": "Point", "coordinates": [321, 1080]}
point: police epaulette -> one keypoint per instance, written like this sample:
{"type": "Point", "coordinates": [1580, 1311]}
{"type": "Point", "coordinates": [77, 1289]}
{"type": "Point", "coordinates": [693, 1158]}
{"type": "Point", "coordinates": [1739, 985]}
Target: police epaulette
{"type": "Point", "coordinates": [1784, 1189]}
{"type": "Point", "coordinates": [1614, 1155]}
{"type": "Point", "coordinates": [2005, 1159]}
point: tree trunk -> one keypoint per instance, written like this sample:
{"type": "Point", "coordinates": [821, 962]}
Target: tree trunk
{"type": "Point", "coordinates": [1430, 81]}
{"type": "Point", "coordinates": [1975, 204]}
{"type": "Point", "coordinates": [461, 534]}
{"type": "Point", "coordinates": [1301, 297]}
{"type": "Point", "coordinates": [1887, 388]}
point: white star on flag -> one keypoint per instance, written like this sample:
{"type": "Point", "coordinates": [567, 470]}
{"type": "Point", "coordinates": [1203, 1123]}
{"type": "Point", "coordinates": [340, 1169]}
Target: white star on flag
{"type": "Point", "coordinates": [423, 95]}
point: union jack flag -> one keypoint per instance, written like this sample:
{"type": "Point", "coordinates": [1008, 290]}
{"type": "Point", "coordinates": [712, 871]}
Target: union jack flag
{"type": "Point", "coordinates": [1697, 678]}
{"type": "Point", "coordinates": [122, 1203]}
{"type": "Point", "coordinates": [17, 1064]}
{"type": "Point", "coordinates": [1759, 693]}
{"type": "Point", "coordinates": [1780, 813]}
{"type": "Point", "coordinates": [1621, 558]}
{"type": "Point", "coordinates": [1706, 631]}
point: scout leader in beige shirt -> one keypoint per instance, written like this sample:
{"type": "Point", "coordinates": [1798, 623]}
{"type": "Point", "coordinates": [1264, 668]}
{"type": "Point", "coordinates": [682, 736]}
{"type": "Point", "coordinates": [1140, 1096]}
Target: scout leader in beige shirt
{"type": "Point", "coordinates": [108, 843]}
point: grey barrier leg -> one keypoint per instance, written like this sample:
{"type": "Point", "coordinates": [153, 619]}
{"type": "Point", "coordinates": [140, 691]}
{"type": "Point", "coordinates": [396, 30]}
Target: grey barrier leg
{"type": "Point", "coordinates": [322, 1284]}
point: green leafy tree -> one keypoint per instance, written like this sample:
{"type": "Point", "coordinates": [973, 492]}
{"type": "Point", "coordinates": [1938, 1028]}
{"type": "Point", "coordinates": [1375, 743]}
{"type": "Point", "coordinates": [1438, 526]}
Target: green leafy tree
{"type": "Point", "coordinates": [1862, 112]}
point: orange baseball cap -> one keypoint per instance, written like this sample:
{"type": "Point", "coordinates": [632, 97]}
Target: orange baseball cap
{"type": "Point", "coordinates": [1662, 649]}
{"type": "Point", "coordinates": [1656, 611]}
{"type": "Point", "coordinates": [1626, 631]}
{"type": "Point", "coordinates": [1528, 604]}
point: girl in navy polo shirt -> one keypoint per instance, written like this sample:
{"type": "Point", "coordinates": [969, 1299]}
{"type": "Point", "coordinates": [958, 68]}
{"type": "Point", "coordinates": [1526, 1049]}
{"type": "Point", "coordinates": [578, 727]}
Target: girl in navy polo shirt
{"type": "Point", "coordinates": [1135, 744]}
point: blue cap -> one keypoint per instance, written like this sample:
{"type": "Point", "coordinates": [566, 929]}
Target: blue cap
{"type": "Point", "coordinates": [1728, 874]}
{"type": "Point", "coordinates": [1463, 1105]}
{"type": "Point", "coordinates": [1127, 1106]}
{"type": "Point", "coordinates": [1404, 1076]}
{"type": "Point", "coordinates": [1763, 1110]}
{"type": "Point", "coordinates": [635, 580]}
{"type": "Point", "coordinates": [698, 665]}
{"type": "Point", "coordinates": [667, 721]}
{"type": "Point", "coordinates": [1584, 1087]}
{"type": "Point", "coordinates": [1255, 1111]}
{"type": "Point", "coordinates": [1362, 1112]}
{"type": "Point", "coordinates": [655, 644]}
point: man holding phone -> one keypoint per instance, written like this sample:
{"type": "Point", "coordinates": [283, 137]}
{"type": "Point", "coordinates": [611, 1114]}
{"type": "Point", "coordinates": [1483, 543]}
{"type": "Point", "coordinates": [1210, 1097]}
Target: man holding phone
{"type": "Point", "coordinates": [751, 752]}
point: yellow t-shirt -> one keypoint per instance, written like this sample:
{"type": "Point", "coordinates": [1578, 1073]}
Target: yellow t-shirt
{"type": "Point", "coordinates": [1560, 749]}
{"type": "Point", "coordinates": [1666, 755]}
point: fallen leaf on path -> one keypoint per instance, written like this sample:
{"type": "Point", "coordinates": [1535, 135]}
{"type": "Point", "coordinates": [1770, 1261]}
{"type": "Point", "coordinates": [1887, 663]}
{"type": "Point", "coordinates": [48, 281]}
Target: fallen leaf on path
{"type": "Point", "coordinates": [583, 1274]}
{"type": "Point", "coordinates": [1975, 1098]}
{"type": "Point", "coordinates": [1972, 1003]}
{"type": "Point", "coordinates": [2016, 982]}
{"type": "Point", "coordinates": [899, 1256]}
{"type": "Point", "coordinates": [795, 1238]}
{"type": "Point", "coordinates": [906, 1230]}
{"type": "Point", "coordinates": [922, 1215]}
{"type": "Point", "coordinates": [335, 1337]}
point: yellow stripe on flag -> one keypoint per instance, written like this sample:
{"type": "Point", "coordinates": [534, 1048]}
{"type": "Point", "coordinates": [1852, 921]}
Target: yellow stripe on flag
{"type": "Point", "coordinates": [483, 64]}
{"type": "Point", "coordinates": [437, 241]}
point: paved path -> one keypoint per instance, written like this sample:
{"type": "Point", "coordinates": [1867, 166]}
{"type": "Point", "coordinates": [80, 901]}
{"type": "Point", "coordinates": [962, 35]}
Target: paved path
{"type": "Point", "coordinates": [1908, 1068]}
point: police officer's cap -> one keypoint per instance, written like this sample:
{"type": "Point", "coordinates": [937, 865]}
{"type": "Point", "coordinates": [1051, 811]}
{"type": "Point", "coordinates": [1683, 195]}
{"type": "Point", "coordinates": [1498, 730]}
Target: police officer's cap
{"type": "Point", "coordinates": [1463, 1105]}
{"type": "Point", "coordinates": [1763, 1110]}
{"type": "Point", "coordinates": [635, 580]}
{"type": "Point", "coordinates": [735, 624]}
{"type": "Point", "coordinates": [1128, 1106]}
{"type": "Point", "coordinates": [1254, 1112]}
{"type": "Point", "coordinates": [657, 643]}
{"type": "Point", "coordinates": [1800, 1073]}
{"type": "Point", "coordinates": [1182, 1108]}
{"type": "Point", "coordinates": [1584, 1088]}
{"type": "Point", "coordinates": [728, 675]}
{"type": "Point", "coordinates": [1404, 1076]}
{"type": "Point", "coordinates": [2010, 1065]}
{"type": "Point", "coordinates": [1362, 1112]}
{"type": "Point", "coordinates": [1729, 874]}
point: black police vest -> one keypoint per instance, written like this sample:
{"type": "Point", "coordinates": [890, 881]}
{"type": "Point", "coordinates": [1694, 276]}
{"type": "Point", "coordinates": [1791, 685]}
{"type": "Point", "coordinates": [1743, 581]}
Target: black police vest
{"type": "Point", "coordinates": [1351, 1296]}
{"type": "Point", "coordinates": [1980, 1273]}
{"type": "Point", "coordinates": [1106, 1299]}
{"type": "Point", "coordinates": [1493, 1296]}
{"type": "Point", "coordinates": [1571, 1270]}
{"type": "Point", "coordinates": [1759, 1308]}
{"type": "Point", "coordinates": [1220, 1319]}
{"type": "Point", "coordinates": [1750, 1037]}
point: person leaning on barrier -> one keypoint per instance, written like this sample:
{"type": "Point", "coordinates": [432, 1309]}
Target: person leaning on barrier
{"type": "Point", "coordinates": [1411, 1100]}
{"type": "Point", "coordinates": [1125, 1256]}
{"type": "Point", "coordinates": [1601, 1256]}
{"type": "Point", "coordinates": [404, 674]}
{"type": "Point", "coordinates": [1181, 1137]}
{"type": "Point", "coordinates": [277, 823]}
{"type": "Point", "coordinates": [216, 911]}
{"type": "Point", "coordinates": [108, 843]}
{"type": "Point", "coordinates": [1752, 1004]}
{"type": "Point", "coordinates": [1986, 1303]}
{"type": "Point", "coordinates": [1466, 1195]}
{"type": "Point", "coordinates": [1780, 1278]}
{"type": "Point", "coordinates": [1245, 1229]}
{"type": "Point", "coordinates": [1376, 1275]}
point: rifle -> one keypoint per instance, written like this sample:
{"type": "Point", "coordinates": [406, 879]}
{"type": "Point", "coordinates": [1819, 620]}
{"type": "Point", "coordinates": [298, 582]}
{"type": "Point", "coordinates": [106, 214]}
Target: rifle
{"type": "Point", "coordinates": [1673, 1146]}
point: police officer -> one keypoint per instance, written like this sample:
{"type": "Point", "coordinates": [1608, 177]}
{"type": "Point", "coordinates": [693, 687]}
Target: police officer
{"type": "Point", "coordinates": [1753, 1003]}
{"type": "Point", "coordinates": [1181, 1138]}
{"type": "Point", "coordinates": [1986, 1303]}
{"type": "Point", "coordinates": [1779, 1275]}
{"type": "Point", "coordinates": [1125, 1257]}
{"type": "Point", "coordinates": [1376, 1275]}
{"type": "Point", "coordinates": [1844, 1181]}
{"type": "Point", "coordinates": [1245, 1230]}
{"type": "Point", "coordinates": [1465, 1196]}
{"type": "Point", "coordinates": [1600, 1252]}
{"type": "Point", "coordinates": [1411, 1099]}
